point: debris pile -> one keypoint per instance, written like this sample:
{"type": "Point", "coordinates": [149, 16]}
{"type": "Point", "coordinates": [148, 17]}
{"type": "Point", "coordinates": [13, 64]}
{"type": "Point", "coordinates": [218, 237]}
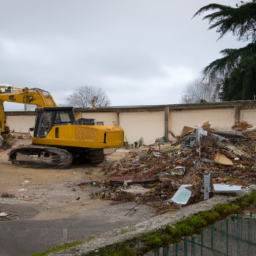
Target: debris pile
{"type": "Point", "coordinates": [241, 126]}
{"type": "Point", "coordinates": [167, 179]}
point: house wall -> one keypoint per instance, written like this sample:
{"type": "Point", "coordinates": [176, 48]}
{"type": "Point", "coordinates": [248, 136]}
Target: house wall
{"type": "Point", "coordinates": [148, 125]}
{"type": "Point", "coordinates": [220, 119]}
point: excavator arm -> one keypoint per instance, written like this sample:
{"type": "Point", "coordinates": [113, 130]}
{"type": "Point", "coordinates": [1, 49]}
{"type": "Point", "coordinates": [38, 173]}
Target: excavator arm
{"type": "Point", "coordinates": [26, 96]}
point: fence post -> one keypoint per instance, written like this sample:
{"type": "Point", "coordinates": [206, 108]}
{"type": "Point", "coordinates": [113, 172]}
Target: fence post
{"type": "Point", "coordinates": [249, 235]}
{"type": "Point", "coordinates": [176, 249]}
{"type": "Point", "coordinates": [202, 243]}
{"type": "Point", "coordinates": [227, 236]}
{"type": "Point", "coordinates": [165, 251]}
{"type": "Point", "coordinates": [193, 246]}
{"type": "Point", "coordinates": [238, 237]}
{"type": "Point", "coordinates": [185, 246]}
{"type": "Point", "coordinates": [212, 241]}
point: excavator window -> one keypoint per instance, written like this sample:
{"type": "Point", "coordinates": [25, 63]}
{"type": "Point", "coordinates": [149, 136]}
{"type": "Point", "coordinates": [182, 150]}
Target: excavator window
{"type": "Point", "coordinates": [47, 119]}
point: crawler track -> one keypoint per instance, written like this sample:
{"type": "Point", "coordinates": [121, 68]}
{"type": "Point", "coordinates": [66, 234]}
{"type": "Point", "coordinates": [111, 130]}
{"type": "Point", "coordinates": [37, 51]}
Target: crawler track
{"type": "Point", "coordinates": [40, 157]}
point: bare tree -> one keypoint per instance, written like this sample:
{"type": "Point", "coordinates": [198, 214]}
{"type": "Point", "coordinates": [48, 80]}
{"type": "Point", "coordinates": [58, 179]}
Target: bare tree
{"type": "Point", "coordinates": [197, 90]}
{"type": "Point", "coordinates": [88, 96]}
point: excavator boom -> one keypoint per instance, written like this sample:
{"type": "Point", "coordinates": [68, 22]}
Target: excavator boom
{"type": "Point", "coordinates": [26, 96]}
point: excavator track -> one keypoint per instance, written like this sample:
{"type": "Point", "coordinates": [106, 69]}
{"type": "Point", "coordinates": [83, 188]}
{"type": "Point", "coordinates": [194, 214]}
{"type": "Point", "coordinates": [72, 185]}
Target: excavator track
{"type": "Point", "coordinates": [40, 157]}
{"type": "Point", "coordinates": [96, 156]}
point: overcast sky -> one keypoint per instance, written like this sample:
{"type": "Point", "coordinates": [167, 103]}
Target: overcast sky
{"type": "Point", "coordinates": [140, 52]}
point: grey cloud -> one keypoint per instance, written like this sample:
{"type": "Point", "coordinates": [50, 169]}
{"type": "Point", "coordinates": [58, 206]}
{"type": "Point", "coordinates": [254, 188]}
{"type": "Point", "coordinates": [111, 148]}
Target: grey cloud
{"type": "Point", "coordinates": [120, 46]}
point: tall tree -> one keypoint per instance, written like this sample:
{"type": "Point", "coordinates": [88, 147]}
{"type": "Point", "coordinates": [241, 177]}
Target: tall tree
{"type": "Point", "coordinates": [88, 96]}
{"type": "Point", "coordinates": [237, 66]}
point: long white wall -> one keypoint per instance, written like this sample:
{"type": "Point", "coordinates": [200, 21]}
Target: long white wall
{"type": "Point", "coordinates": [151, 125]}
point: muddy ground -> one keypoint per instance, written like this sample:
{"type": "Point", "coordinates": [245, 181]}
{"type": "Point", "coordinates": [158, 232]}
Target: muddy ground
{"type": "Point", "coordinates": [48, 208]}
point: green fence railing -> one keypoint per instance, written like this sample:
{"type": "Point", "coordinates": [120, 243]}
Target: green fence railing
{"type": "Point", "coordinates": [234, 236]}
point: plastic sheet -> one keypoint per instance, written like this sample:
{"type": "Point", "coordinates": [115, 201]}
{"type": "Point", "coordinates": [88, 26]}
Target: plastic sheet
{"type": "Point", "coordinates": [182, 195]}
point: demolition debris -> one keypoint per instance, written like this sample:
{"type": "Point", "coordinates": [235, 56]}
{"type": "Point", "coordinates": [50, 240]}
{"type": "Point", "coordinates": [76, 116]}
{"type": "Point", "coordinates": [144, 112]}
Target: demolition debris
{"type": "Point", "coordinates": [198, 164]}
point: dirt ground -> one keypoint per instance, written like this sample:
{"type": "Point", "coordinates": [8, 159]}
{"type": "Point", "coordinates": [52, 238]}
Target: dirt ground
{"type": "Point", "coordinates": [52, 195]}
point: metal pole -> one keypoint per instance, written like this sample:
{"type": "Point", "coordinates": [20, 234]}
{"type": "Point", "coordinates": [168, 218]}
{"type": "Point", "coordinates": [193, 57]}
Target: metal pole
{"type": "Point", "coordinates": [227, 236]}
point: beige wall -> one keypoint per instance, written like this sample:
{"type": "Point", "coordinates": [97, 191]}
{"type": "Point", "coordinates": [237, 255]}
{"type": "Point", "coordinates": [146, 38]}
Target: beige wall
{"type": "Point", "coordinates": [20, 123]}
{"type": "Point", "coordinates": [248, 115]}
{"type": "Point", "coordinates": [108, 118]}
{"type": "Point", "coordinates": [220, 119]}
{"type": "Point", "coordinates": [148, 125]}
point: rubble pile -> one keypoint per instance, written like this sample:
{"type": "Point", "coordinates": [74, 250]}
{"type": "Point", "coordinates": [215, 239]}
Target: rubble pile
{"type": "Point", "coordinates": [167, 179]}
{"type": "Point", "coordinates": [241, 126]}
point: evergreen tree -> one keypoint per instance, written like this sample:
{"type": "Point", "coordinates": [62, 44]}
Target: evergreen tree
{"type": "Point", "coordinates": [238, 66]}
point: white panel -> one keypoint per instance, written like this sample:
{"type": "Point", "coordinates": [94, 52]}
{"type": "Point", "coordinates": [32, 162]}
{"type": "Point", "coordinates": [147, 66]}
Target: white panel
{"type": "Point", "coordinates": [148, 125]}
{"type": "Point", "coordinates": [248, 115]}
{"type": "Point", "coordinates": [220, 119]}
{"type": "Point", "coordinates": [20, 123]}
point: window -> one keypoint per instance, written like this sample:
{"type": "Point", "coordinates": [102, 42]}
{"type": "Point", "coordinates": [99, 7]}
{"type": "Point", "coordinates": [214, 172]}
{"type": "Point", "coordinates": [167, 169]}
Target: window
{"type": "Point", "coordinates": [99, 123]}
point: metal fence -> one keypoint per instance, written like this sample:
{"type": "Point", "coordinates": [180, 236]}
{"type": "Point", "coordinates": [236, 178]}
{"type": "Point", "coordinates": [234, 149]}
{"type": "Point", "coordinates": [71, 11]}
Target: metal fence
{"type": "Point", "coordinates": [234, 236]}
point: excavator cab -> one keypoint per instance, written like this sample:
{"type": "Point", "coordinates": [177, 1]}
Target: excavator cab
{"type": "Point", "coordinates": [49, 117]}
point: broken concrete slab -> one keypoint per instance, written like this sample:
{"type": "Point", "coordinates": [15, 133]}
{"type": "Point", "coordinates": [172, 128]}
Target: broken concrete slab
{"type": "Point", "coordinates": [223, 188]}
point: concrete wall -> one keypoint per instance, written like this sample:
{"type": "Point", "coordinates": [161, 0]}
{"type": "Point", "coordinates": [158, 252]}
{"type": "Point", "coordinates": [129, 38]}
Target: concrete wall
{"type": "Point", "coordinates": [148, 125]}
{"type": "Point", "coordinates": [20, 123]}
{"type": "Point", "coordinates": [220, 119]}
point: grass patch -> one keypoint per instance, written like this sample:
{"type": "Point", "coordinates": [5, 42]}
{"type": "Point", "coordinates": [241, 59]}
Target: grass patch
{"type": "Point", "coordinates": [126, 230]}
{"type": "Point", "coordinates": [58, 248]}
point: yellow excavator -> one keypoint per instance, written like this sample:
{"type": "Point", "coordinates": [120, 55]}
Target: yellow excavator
{"type": "Point", "coordinates": [58, 137]}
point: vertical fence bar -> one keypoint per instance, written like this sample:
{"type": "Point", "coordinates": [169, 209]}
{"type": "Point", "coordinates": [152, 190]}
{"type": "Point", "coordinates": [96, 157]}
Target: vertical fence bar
{"type": "Point", "coordinates": [227, 236]}
{"type": "Point", "coordinates": [157, 252]}
{"type": "Point", "coordinates": [165, 251]}
{"type": "Point", "coordinates": [193, 251]}
{"type": "Point", "coordinates": [202, 243]}
{"type": "Point", "coordinates": [249, 236]}
{"type": "Point", "coordinates": [221, 232]}
{"type": "Point", "coordinates": [238, 238]}
{"type": "Point", "coordinates": [176, 249]}
{"type": "Point", "coordinates": [212, 227]}
{"type": "Point", "coordinates": [185, 246]}
{"type": "Point", "coordinates": [253, 231]}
